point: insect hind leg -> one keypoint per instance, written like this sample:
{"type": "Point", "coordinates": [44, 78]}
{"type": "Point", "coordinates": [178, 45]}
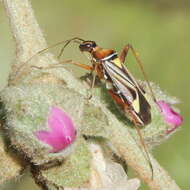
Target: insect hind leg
{"type": "Point", "coordinates": [145, 149]}
{"type": "Point", "coordinates": [124, 53]}
{"type": "Point", "coordinates": [123, 56]}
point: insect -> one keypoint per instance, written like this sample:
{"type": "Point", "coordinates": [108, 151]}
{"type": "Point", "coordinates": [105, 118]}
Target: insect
{"type": "Point", "coordinates": [120, 83]}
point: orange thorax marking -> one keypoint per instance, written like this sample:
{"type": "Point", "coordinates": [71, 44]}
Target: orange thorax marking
{"type": "Point", "coordinates": [99, 53]}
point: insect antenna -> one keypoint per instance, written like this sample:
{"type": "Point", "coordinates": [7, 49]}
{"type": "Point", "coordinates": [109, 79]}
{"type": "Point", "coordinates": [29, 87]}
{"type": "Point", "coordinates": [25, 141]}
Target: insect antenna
{"type": "Point", "coordinates": [66, 42]}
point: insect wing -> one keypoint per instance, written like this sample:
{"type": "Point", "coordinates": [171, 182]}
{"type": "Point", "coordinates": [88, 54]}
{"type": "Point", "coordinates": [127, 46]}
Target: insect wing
{"type": "Point", "coordinates": [129, 90]}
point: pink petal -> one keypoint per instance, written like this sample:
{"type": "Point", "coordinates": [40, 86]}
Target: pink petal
{"type": "Point", "coordinates": [62, 132]}
{"type": "Point", "coordinates": [171, 117]}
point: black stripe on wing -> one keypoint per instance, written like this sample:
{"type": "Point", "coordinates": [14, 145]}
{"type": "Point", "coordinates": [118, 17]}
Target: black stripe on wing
{"type": "Point", "coordinates": [128, 89]}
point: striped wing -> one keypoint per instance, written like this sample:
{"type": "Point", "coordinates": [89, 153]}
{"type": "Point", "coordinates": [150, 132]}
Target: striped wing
{"type": "Point", "coordinates": [127, 88]}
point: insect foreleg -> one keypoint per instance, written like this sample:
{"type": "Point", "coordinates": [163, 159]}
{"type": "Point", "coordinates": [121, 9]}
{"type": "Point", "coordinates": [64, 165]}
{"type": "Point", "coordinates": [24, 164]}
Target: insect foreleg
{"type": "Point", "coordinates": [83, 66]}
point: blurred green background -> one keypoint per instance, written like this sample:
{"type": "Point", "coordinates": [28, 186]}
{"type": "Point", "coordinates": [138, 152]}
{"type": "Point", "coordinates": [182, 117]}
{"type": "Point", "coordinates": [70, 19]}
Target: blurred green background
{"type": "Point", "coordinates": [159, 30]}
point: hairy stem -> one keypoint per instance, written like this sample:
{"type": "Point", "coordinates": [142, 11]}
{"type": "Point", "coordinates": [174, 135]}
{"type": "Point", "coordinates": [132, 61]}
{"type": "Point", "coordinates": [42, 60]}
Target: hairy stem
{"type": "Point", "coordinates": [25, 29]}
{"type": "Point", "coordinates": [29, 40]}
{"type": "Point", "coordinates": [134, 157]}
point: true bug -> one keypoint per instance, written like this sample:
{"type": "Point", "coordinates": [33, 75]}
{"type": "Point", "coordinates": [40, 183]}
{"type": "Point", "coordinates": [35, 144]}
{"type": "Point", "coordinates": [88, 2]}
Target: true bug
{"type": "Point", "coordinates": [120, 83]}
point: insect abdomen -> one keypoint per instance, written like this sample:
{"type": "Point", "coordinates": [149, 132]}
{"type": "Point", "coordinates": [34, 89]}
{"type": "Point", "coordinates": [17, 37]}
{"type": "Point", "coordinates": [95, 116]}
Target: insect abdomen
{"type": "Point", "coordinates": [141, 118]}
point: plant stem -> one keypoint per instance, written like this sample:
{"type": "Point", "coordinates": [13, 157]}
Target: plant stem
{"type": "Point", "coordinates": [29, 40]}
{"type": "Point", "coordinates": [25, 29]}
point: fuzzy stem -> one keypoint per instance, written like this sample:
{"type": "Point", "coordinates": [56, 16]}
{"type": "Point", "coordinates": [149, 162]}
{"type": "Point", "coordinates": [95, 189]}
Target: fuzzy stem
{"type": "Point", "coordinates": [123, 143]}
{"type": "Point", "coordinates": [10, 167]}
{"type": "Point", "coordinates": [29, 39]}
{"type": "Point", "coordinates": [25, 29]}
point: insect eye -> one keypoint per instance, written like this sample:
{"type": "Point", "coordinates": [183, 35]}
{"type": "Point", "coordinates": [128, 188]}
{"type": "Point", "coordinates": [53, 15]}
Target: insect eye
{"type": "Point", "coordinates": [93, 44]}
{"type": "Point", "coordinates": [88, 45]}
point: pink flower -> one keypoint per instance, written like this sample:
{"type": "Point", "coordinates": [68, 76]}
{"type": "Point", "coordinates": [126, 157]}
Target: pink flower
{"type": "Point", "coordinates": [62, 132]}
{"type": "Point", "coordinates": [171, 117]}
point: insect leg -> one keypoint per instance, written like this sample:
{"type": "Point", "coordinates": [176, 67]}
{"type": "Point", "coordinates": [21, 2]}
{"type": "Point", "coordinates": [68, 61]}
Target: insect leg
{"type": "Point", "coordinates": [83, 66]}
{"type": "Point", "coordinates": [126, 107]}
{"type": "Point", "coordinates": [123, 56]}
{"type": "Point", "coordinates": [124, 53]}
{"type": "Point", "coordinates": [86, 67]}
{"type": "Point", "coordinates": [145, 149]}
{"type": "Point", "coordinates": [26, 72]}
